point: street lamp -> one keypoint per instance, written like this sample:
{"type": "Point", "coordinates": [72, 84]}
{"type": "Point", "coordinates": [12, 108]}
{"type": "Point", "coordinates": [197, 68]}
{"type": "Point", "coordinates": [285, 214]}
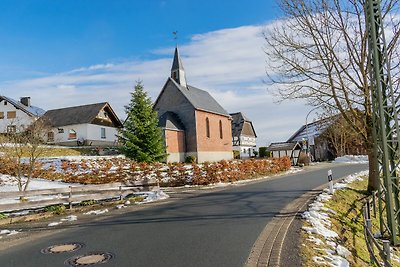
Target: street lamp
{"type": "Point", "coordinates": [308, 143]}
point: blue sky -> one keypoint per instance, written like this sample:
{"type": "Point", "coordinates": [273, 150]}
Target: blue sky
{"type": "Point", "coordinates": [71, 52]}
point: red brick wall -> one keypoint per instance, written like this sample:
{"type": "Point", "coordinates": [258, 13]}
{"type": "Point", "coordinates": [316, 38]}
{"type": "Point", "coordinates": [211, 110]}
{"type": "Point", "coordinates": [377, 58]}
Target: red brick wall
{"type": "Point", "coordinates": [175, 141]}
{"type": "Point", "coordinates": [214, 142]}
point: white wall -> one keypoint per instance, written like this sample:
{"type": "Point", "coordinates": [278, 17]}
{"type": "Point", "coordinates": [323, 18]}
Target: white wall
{"type": "Point", "coordinates": [94, 133]}
{"type": "Point", "coordinates": [89, 132]}
{"type": "Point", "coordinates": [21, 121]}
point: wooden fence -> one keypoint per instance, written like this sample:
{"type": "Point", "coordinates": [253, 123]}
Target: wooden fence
{"type": "Point", "coordinates": [72, 195]}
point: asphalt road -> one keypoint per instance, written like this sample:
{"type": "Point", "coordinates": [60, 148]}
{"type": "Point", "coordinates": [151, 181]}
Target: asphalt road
{"type": "Point", "coordinates": [211, 229]}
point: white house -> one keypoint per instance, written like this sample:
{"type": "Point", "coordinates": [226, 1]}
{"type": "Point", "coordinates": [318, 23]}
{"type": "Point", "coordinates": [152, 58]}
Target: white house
{"type": "Point", "coordinates": [94, 124]}
{"type": "Point", "coordinates": [16, 116]}
{"type": "Point", "coordinates": [243, 135]}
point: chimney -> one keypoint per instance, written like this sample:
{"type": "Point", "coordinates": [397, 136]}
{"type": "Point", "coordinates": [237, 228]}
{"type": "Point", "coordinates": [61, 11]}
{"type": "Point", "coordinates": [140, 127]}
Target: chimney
{"type": "Point", "coordinates": [26, 101]}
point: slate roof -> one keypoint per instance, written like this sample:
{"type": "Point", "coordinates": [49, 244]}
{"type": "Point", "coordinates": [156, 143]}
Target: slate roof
{"type": "Point", "coordinates": [170, 120]}
{"type": "Point", "coordinates": [201, 99]}
{"type": "Point", "coordinates": [77, 115]}
{"type": "Point", "coordinates": [314, 129]}
{"type": "Point", "coordinates": [177, 63]}
{"type": "Point", "coordinates": [282, 146]}
{"type": "Point", "coordinates": [31, 110]}
{"type": "Point", "coordinates": [241, 125]}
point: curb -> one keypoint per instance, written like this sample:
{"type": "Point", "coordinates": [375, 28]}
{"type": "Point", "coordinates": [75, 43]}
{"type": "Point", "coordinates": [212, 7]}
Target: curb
{"type": "Point", "coordinates": [266, 251]}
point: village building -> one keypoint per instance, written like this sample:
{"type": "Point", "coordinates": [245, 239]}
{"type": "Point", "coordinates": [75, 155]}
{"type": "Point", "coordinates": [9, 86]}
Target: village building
{"type": "Point", "coordinates": [328, 138]}
{"type": "Point", "coordinates": [286, 149]}
{"type": "Point", "coordinates": [16, 116]}
{"type": "Point", "coordinates": [90, 125]}
{"type": "Point", "coordinates": [243, 135]}
{"type": "Point", "coordinates": [193, 122]}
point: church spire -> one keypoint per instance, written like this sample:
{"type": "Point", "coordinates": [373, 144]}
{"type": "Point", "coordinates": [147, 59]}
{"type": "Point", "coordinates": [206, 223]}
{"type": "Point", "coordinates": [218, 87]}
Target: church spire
{"type": "Point", "coordinates": [177, 71]}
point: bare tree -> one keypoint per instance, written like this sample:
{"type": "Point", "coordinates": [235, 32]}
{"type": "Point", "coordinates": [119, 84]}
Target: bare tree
{"type": "Point", "coordinates": [319, 52]}
{"type": "Point", "coordinates": [22, 147]}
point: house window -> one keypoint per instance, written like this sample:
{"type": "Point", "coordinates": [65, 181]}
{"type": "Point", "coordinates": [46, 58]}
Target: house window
{"type": "Point", "coordinates": [208, 127]}
{"type": "Point", "coordinates": [60, 130]}
{"type": "Point", "coordinates": [50, 137]}
{"type": "Point", "coordinates": [5, 103]}
{"type": "Point", "coordinates": [11, 114]}
{"type": "Point", "coordinates": [11, 129]}
{"type": "Point", "coordinates": [221, 135]}
{"type": "Point", "coordinates": [72, 134]}
{"type": "Point", "coordinates": [1, 115]}
{"type": "Point", "coordinates": [103, 133]}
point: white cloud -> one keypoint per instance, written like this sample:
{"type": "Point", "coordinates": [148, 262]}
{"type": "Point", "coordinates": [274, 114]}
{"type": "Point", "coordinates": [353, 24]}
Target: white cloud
{"type": "Point", "coordinates": [229, 63]}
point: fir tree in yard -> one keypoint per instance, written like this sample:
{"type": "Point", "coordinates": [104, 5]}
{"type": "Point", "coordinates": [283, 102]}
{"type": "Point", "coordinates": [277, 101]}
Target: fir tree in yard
{"type": "Point", "coordinates": [142, 140]}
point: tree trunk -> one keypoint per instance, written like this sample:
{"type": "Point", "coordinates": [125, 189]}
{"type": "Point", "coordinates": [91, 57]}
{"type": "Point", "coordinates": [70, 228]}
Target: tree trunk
{"type": "Point", "coordinates": [373, 177]}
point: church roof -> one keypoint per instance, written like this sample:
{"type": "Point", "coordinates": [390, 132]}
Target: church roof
{"type": "Point", "coordinates": [177, 63]}
{"type": "Point", "coordinates": [170, 120]}
{"type": "Point", "coordinates": [201, 99]}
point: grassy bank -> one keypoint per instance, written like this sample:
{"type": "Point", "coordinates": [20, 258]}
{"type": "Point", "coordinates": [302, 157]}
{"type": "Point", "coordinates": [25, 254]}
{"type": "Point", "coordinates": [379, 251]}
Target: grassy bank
{"type": "Point", "coordinates": [345, 212]}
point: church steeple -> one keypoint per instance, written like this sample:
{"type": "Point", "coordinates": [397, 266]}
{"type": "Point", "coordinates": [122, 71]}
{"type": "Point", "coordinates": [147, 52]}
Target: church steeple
{"type": "Point", "coordinates": [177, 71]}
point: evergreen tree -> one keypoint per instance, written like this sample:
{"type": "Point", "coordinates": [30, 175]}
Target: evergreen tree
{"type": "Point", "coordinates": [141, 138]}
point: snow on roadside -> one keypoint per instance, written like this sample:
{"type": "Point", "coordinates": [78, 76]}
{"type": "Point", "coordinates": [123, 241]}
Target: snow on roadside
{"type": "Point", "coordinates": [361, 159]}
{"type": "Point", "coordinates": [318, 216]}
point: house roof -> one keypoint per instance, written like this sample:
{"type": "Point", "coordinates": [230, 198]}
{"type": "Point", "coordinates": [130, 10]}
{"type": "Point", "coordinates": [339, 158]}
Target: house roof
{"type": "Point", "coordinates": [241, 125]}
{"type": "Point", "coordinates": [170, 120]}
{"type": "Point", "coordinates": [309, 130]}
{"type": "Point", "coordinates": [30, 110]}
{"type": "Point", "coordinates": [282, 146]}
{"type": "Point", "coordinates": [200, 99]}
{"type": "Point", "coordinates": [79, 115]}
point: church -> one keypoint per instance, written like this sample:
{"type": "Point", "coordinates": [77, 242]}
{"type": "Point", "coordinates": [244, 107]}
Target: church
{"type": "Point", "coordinates": [193, 122]}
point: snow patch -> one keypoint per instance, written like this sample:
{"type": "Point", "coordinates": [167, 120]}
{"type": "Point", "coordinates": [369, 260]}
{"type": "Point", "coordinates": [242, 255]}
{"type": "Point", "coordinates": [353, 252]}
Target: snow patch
{"type": "Point", "coordinates": [352, 159]}
{"type": "Point", "coordinates": [96, 212]}
{"type": "Point", "coordinates": [318, 217]}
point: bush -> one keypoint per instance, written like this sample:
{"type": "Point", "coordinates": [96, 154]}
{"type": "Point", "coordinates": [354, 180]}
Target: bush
{"type": "Point", "coordinates": [304, 159]}
{"type": "Point", "coordinates": [3, 216]}
{"type": "Point", "coordinates": [236, 154]}
{"type": "Point", "coordinates": [263, 152]}
{"type": "Point", "coordinates": [89, 202]}
{"type": "Point", "coordinates": [55, 209]}
{"type": "Point", "coordinates": [190, 159]}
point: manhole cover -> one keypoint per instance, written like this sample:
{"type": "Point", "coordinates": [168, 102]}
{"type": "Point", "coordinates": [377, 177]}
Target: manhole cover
{"type": "Point", "coordinates": [61, 248]}
{"type": "Point", "coordinates": [88, 259]}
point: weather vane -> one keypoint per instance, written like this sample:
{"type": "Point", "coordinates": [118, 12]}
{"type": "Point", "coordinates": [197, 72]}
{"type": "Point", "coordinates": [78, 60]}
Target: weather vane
{"type": "Point", "coordinates": [175, 34]}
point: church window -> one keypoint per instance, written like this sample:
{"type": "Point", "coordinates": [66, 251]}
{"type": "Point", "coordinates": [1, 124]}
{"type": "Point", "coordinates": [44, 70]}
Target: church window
{"type": "Point", "coordinates": [208, 127]}
{"type": "Point", "coordinates": [221, 135]}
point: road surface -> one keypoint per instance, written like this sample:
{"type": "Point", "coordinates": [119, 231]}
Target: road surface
{"type": "Point", "coordinates": [210, 229]}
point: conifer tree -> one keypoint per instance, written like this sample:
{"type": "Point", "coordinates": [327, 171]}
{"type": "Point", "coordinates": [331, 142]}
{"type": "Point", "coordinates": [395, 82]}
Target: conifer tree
{"type": "Point", "coordinates": [141, 138]}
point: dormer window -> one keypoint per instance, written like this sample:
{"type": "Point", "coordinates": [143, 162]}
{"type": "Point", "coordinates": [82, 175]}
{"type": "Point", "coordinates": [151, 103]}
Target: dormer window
{"type": "Point", "coordinates": [5, 103]}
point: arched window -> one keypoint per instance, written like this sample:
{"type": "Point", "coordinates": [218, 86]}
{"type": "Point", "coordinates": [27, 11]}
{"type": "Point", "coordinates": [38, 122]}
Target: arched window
{"type": "Point", "coordinates": [72, 134]}
{"type": "Point", "coordinates": [221, 135]}
{"type": "Point", "coordinates": [208, 127]}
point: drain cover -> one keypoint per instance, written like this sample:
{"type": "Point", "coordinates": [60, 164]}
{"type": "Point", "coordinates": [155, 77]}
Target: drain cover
{"type": "Point", "coordinates": [61, 248]}
{"type": "Point", "coordinates": [88, 259]}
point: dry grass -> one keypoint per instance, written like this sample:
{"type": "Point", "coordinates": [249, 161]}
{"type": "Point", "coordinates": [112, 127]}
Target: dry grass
{"type": "Point", "coordinates": [348, 223]}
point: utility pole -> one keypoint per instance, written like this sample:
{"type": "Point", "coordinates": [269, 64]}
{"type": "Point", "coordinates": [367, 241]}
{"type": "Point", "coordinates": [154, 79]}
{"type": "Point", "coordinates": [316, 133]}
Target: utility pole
{"type": "Point", "coordinates": [385, 119]}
